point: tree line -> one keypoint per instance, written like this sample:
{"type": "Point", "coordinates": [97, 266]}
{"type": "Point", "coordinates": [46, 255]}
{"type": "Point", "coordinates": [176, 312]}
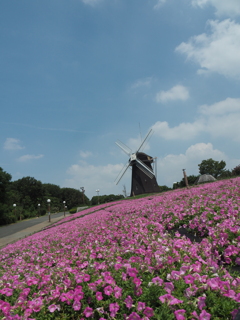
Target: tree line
{"type": "Point", "coordinates": [30, 197]}
{"type": "Point", "coordinates": [217, 169]}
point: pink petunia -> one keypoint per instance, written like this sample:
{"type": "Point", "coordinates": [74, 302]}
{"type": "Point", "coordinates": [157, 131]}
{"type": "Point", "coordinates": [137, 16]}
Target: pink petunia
{"type": "Point", "coordinates": [201, 302]}
{"type": "Point", "coordinates": [134, 316]}
{"type": "Point", "coordinates": [53, 307]}
{"type": "Point", "coordinates": [179, 314]}
{"type": "Point", "coordinates": [204, 315]}
{"type": "Point", "coordinates": [77, 305]}
{"type": "Point", "coordinates": [129, 302]}
{"type": "Point", "coordinates": [108, 290]}
{"type": "Point", "coordinates": [113, 308]}
{"type": "Point", "coordinates": [99, 296]}
{"type": "Point", "coordinates": [88, 312]}
{"type": "Point", "coordinates": [117, 292]}
{"type": "Point", "coordinates": [148, 312]}
{"type": "Point", "coordinates": [141, 306]}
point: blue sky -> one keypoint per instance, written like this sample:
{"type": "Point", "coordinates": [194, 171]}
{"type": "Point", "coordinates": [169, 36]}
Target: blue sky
{"type": "Point", "coordinates": [77, 75]}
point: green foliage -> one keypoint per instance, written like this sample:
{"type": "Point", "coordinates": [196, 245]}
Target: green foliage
{"type": "Point", "coordinates": [164, 188]}
{"type": "Point", "coordinates": [28, 192]}
{"type": "Point", "coordinates": [106, 198]}
{"type": "Point", "coordinates": [236, 171]}
{"type": "Point", "coordinates": [5, 179]}
{"type": "Point", "coordinates": [213, 167]}
{"type": "Point", "coordinates": [182, 184]}
{"type": "Point", "coordinates": [73, 210]}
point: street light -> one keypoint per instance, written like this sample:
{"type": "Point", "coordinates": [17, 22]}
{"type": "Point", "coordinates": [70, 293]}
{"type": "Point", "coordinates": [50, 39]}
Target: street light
{"type": "Point", "coordinates": [14, 206]}
{"type": "Point", "coordinates": [98, 194]}
{"type": "Point", "coordinates": [49, 213]}
{"type": "Point", "coordinates": [64, 207]}
{"type": "Point", "coordinates": [39, 210]}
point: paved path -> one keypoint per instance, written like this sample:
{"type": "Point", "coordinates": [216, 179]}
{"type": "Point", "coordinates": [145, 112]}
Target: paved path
{"type": "Point", "coordinates": [16, 231]}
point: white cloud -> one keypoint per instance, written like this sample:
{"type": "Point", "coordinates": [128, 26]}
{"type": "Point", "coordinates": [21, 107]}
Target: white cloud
{"type": "Point", "coordinates": [94, 177]}
{"type": "Point", "coordinates": [175, 93]}
{"type": "Point", "coordinates": [217, 51]}
{"type": "Point", "coordinates": [159, 4]}
{"type": "Point", "coordinates": [223, 7]}
{"type": "Point", "coordinates": [28, 157]}
{"type": "Point", "coordinates": [220, 119]}
{"type": "Point", "coordinates": [12, 144]}
{"type": "Point", "coordinates": [146, 82]}
{"type": "Point", "coordinates": [85, 154]}
{"type": "Point", "coordinates": [184, 131]}
{"type": "Point", "coordinates": [170, 167]}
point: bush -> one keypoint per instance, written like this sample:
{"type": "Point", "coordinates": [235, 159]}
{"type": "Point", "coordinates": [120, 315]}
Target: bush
{"type": "Point", "coordinates": [73, 210]}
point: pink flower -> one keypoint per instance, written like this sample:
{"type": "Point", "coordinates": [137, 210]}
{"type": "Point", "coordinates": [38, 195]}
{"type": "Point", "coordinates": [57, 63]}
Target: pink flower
{"type": "Point", "coordinates": [28, 312]}
{"type": "Point", "coordinates": [86, 277]}
{"type": "Point", "coordinates": [88, 312]}
{"type": "Point", "coordinates": [53, 307]}
{"type": "Point", "coordinates": [134, 316]}
{"type": "Point", "coordinates": [113, 307]}
{"type": "Point", "coordinates": [129, 302]}
{"type": "Point", "coordinates": [109, 280]}
{"type": "Point", "coordinates": [99, 296]}
{"type": "Point", "coordinates": [169, 287]}
{"type": "Point", "coordinates": [213, 283]}
{"type": "Point", "coordinates": [137, 282]}
{"type": "Point", "coordinates": [132, 272]}
{"type": "Point", "coordinates": [108, 290]}
{"type": "Point", "coordinates": [148, 312]}
{"type": "Point", "coordinates": [204, 315]}
{"type": "Point", "coordinates": [7, 291]}
{"type": "Point", "coordinates": [141, 306]}
{"type": "Point", "coordinates": [157, 281]}
{"type": "Point", "coordinates": [189, 279]}
{"type": "Point", "coordinates": [169, 299]}
{"type": "Point", "coordinates": [201, 302]}
{"type": "Point", "coordinates": [76, 305]}
{"type": "Point", "coordinates": [179, 314]}
{"type": "Point", "coordinates": [117, 292]}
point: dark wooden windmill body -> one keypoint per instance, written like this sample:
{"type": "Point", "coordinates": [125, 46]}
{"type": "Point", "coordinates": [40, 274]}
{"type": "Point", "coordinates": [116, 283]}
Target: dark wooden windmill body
{"type": "Point", "coordinates": [143, 177]}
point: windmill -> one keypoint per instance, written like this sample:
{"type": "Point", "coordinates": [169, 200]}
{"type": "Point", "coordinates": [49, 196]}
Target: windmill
{"type": "Point", "coordinates": [143, 177]}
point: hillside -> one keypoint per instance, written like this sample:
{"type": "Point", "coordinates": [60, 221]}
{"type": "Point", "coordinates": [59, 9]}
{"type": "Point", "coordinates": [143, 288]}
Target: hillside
{"type": "Point", "coordinates": [131, 260]}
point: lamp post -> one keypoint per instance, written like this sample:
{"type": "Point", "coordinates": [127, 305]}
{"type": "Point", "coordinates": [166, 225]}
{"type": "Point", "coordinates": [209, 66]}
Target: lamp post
{"type": "Point", "coordinates": [64, 207]}
{"type": "Point", "coordinates": [98, 194]}
{"type": "Point", "coordinates": [49, 211]}
{"type": "Point", "coordinates": [39, 210]}
{"type": "Point", "coordinates": [14, 206]}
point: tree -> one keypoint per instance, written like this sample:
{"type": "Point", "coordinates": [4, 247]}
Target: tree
{"type": "Point", "coordinates": [213, 167]}
{"type": "Point", "coordinates": [236, 171]}
{"type": "Point", "coordinates": [5, 179]}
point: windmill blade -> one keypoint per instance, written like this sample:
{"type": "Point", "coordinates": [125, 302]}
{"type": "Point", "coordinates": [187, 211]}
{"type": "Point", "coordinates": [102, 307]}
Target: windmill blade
{"type": "Point", "coordinates": [144, 168]}
{"type": "Point", "coordinates": [122, 172]}
{"type": "Point", "coordinates": [147, 136]}
{"type": "Point", "coordinates": [121, 145]}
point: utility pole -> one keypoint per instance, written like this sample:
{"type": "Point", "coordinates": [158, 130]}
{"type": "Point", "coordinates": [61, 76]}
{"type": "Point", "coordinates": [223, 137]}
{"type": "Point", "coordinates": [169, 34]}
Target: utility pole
{"type": "Point", "coordinates": [185, 177]}
{"type": "Point", "coordinates": [82, 188]}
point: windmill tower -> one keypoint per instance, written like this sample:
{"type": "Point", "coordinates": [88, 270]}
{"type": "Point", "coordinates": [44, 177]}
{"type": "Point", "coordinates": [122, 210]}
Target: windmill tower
{"type": "Point", "coordinates": [143, 177]}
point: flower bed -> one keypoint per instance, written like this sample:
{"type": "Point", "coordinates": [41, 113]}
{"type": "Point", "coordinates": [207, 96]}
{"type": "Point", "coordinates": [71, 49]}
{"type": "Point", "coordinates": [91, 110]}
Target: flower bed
{"type": "Point", "coordinates": [127, 261]}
